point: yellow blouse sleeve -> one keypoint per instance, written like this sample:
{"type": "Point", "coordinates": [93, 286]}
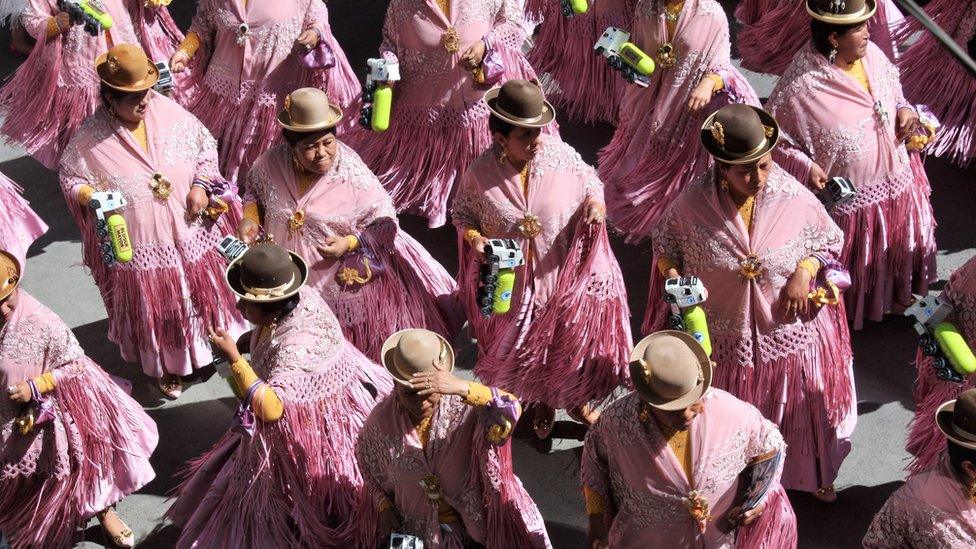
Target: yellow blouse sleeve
{"type": "Point", "coordinates": [480, 395]}
{"type": "Point", "coordinates": [190, 44]}
{"type": "Point", "coordinates": [265, 403]}
{"type": "Point", "coordinates": [44, 383]}
{"type": "Point", "coordinates": [253, 212]}
{"type": "Point", "coordinates": [810, 265]}
{"type": "Point", "coordinates": [717, 82]}
{"type": "Point", "coordinates": [595, 506]}
{"type": "Point", "coordinates": [52, 28]}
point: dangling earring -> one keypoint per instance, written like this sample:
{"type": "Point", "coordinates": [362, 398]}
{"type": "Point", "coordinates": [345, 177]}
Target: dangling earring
{"type": "Point", "coordinates": [833, 55]}
{"type": "Point", "coordinates": [111, 111]}
{"type": "Point", "coordinates": [724, 184]}
{"type": "Point", "coordinates": [503, 157]}
{"type": "Point", "coordinates": [971, 488]}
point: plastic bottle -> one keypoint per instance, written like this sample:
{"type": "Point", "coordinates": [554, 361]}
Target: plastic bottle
{"type": "Point", "coordinates": [382, 106]}
{"type": "Point", "coordinates": [953, 344]}
{"type": "Point", "coordinates": [637, 59]}
{"type": "Point", "coordinates": [697, 326]}
{"type": "Point", "coordinates": [503, 292]}
{"type": "Point", "coordinates": [579, 6]}
{"type": "Point", "coordinates": [118, 234]}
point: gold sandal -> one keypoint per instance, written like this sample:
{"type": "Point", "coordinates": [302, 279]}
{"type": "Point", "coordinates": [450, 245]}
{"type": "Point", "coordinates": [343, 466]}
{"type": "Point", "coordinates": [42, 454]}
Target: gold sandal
{"type": "Point", "coordinates": [827, 494]}
{"type": "Point", "coordinates": [171, 389]}
{"type": "Point", "coordinates": [124, 538]}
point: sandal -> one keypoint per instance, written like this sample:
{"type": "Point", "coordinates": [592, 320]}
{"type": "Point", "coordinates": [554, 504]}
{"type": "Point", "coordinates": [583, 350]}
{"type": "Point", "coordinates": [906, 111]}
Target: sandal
{"type": "Point", "coordinates": [170, 385]}
{"type": "Point", "coordinates": [827, 494]}
{"type": "Point", "coordinates": [545, 419]}
{"type": "Point", "coordinates": [122, 536]}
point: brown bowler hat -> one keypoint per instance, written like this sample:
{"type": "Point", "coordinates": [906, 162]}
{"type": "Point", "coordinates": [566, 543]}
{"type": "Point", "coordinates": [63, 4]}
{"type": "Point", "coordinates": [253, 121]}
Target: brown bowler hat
{"type": "Point", "coordinates": [266, 273]}
{"type": "Point", "coordinates": [842, 12]}
{"type": "Point", "coordinates": [739, 134]}
{"type": "Point", "coordinates": [520, 103]}
{"type": "Point", "coordinates": [9, 274]}
{"type": "Point", "coordinates": [126, 68]}
{"type": "Point", "coordinates": [670, 370]}
{"type": "Point", "coordinates": [957, 419]}
{"type": "Point", "coordinates": [415, 350]}
{"type": "Point", "coordinates": [308, 110]}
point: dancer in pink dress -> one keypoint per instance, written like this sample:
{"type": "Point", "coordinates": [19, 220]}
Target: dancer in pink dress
{"type": "Point", "coordinates": [315, 196]}
{"type": "Point", "coordinates": [565, 341]}
{"type": "Point", "coordinates": [450, 52]}
{"type": "Point", "coordinates": [757, 238]}
{"type": "Point", "coordinates": [436, 456]}
{"type": "Point", "coordinates": [937, 506]}
{"type": "Point", "coordinates": [932, 77]}
{"type": "Point", "coordinates": [73, 442]}
{"type": "Point", "coordinates": [661, 467]}
{"type": "Point", "coordinates": [286, 475]}
{"type": "Point", "coordinates": [842, 112]}
{"type": "Point", "coordinates": [19, 225]}
{"type": "Point", "coordinates": [773, 31]}
{"type": "Point", "coordinates": [164, 163]}
{"type": "Point", "coordinates": [930, 392]}
{"type": "Point", "coordinates": [247, 55]}
{"type": "Point", "coordinates": [55, 90]}
{"type": "Point", "coordinates": [654, 153]}
{"type": "Point", "coordinates": [578, 82]}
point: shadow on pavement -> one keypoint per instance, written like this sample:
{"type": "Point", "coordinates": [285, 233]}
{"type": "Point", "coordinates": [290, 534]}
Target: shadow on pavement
{"type": "Point", "coordinates": [839, 524]}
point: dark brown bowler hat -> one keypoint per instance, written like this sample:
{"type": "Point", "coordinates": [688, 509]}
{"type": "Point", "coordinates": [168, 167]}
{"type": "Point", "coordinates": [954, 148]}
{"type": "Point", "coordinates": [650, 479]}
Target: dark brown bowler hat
{"type": "Point", "coordinates": [842, 12]}
{"type": "Point", "coordinates": [267, 273]}
{"type": "Point", "coordinates": [957, 419]}
{"type": "Point", "coordinates": [520, 103]}
{"type": "Point", "coordinates": [739, 134]}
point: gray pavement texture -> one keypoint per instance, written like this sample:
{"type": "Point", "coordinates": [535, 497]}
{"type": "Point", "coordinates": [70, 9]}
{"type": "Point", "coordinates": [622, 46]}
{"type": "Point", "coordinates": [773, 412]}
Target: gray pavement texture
{"type": "Point", "coordinates": [188, 426]}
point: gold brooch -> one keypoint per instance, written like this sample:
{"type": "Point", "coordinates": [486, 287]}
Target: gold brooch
{"type": "Point", "coordinates": [161, 187]}
{"type": "Point", "coordinates": [451, 40]}
{"type": "Point", "coordinates": [530, 226]}
{"type": "Point", "coordinates": [296, 222]}
{"type": "Point", "coordinates": [667, 55]}
{"type": "Point", "coordinates": [751, 267]}
{"type": "Point", "coordinates": [432, 487]}
{"type": "Point", "coordinates": [697, 507]}
{"type": "Point", "coordinates": [718, 133]}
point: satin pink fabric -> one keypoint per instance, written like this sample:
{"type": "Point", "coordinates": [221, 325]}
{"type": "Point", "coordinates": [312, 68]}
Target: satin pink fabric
{"type": "Point", "coordinates": [477, 479]}
{"type": "Point", "coordinates": [91, 455]}
{"type": "Point", "coordinates": [628, 462]}
{"type": "Point", "coordinates": [797, 371]}
{"type": "Point", "coordinates": [930, 510]}
{"type": "Point", "coordinates": [827, 117]}
{"type": "Point", "coordinates": [544, 348]}
{"type": "Point", "coordinates": [248, 62]}
{"type": "Point", "coordinates": [655, 152]}
{"type": "Point", "coordinates": [414, 290]}
{"type": "Point", "coordinates": [162, 303]}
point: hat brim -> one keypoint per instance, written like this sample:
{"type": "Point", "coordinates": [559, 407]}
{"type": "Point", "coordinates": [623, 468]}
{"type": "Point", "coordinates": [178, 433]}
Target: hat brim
{"type": "Point", "coordinates": [870, 7]}
{"type": "Point", "coordinates": [233, 278]}
{"type": "Point", "coordinates": [718, 154]}
{"type": "Point", "coordinates": [388, 354]}
{"type": "Point", "coordinates": [546, 118]}
{"type": "Point", "coordinates": [943, 418]}
{"type": "Point", "coordinates": [335, 116]}
{"type": "Point", "coordinates": [644, 390]}
{"type": "Point", "coordinates": [148, 82]}
{"type": "Point", "coordinates": [5, 292]}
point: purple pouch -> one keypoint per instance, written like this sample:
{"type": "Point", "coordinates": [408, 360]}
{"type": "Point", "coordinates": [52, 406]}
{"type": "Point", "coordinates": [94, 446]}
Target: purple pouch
{"type": "Point", "coordinates": [358, 267]}
{"type": "Point", "coordinates": [43, 407]}
{"type": "Point", "coordinates": [244, 422]}
{"type": "Point", "coordinates": [319, 57]}
{"type": "Point", "coordinates": [492, 67]}
{"type": "Point", "coordinates": [500, 410]}
{"type": "Point", "coordinates": [831, 280]}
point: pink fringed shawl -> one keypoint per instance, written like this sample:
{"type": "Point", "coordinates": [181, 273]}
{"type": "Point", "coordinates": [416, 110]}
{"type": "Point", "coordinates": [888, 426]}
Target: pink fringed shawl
{"type": "Point", "coordinates": [414, 291]}
{"type": "Point", "coordinates": [95, 451]}
{"type": "Point", "coordinates": [296, 482]}
{"type": "Point", "coordinates": [932, 77]}
{"type": "Point", "coordinates": [827, 117]}
{"type": "Point", "coordinates": [173, 290]}
{"type": "Point", "coordinates": [477, 479]}
{"type": "Point", "coordinates": [925, 441]}
{"type": "Point", "coordinates": [243, 79]}
{"type": "Point", "coordinates": [57, 87]}
{"type": "Point", "coordinates": [655, 152]}
{"type": "Point", "coordinates": [627, 462]}
{"type": "Point", "coordinates": [566, 340]}
{"type": "Point", "coordinates": [19, 225]}
{"type": "Point", "coordinates": [930, 510]}
{"type": "Point", "coordinates": [439, 124]}
{"type": "Point", "coordinates": [760, 355]}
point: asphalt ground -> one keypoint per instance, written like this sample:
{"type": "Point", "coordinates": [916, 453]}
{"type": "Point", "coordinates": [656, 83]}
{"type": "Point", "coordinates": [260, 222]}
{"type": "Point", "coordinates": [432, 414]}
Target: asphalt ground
{"type": "Point", "coordinates": [550, 470]}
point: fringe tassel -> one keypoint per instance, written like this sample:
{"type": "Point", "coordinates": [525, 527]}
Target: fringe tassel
{"type": "Point", "coordinates": [506, 499]}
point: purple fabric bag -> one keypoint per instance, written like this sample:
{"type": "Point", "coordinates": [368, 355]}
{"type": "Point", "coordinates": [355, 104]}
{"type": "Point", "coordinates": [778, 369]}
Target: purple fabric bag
{"type": "Point", "coordinates": [358, 267]}
{"type": "Point", "coordinates": [319, 57]}
{"type": "Point", "coordinates": [244, 422]}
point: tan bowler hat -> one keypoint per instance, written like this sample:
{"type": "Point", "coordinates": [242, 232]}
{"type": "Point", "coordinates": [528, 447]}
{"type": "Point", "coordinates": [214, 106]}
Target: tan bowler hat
{"type": "Point", "coordinates": [520, 103]}
{"type": "Point", "coordinates": [670, 370]}
{"type": "Point", "coordinates": [842, 12]}
{"type": "Point", "coordinates": [308, 110]}
{"type": "Point", "coordinates": [127, 68]}
{"type": "Point", "coordinates": [957, 419]}
{"type": "Point", "coordinates": [9, 274]}
{"type": "Point", "coordinates": [415, 350]}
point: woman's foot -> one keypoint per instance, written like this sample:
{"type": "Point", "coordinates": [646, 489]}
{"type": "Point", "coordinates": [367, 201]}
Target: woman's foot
{"type": "Point", "coordinates": [545, 418]}
{"type": "Point", "coordinates": [827, 494]}
{"type": "Point", "coordinates": [585, 415]}
{"type": "Point", "coordinates": [116, 530]}
{"type": "Point", "coordinates": [170, 385]}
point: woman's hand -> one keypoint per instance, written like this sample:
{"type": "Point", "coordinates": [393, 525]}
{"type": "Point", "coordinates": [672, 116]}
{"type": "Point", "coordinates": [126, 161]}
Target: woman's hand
{"type": "Point", "coordinates": [478, 244]}
{"type": "Point", "coordinates": [308, 40]}
{"type": "Point", "coordinates": [596, 211]}
{"type": "Point", "coordinates": [737, 518]}
{"type": "Point", "coordinates": [390, 521]}
{"type": "Point", "coordinates": [22, 392]}
{"type": "Point", "coordinates": [796, 292]}
{"type": "Point", "coordinates": [248, 230]}
{"type": "Point", "coordinates": [179, 61]}
{"type": "Point", "coordinates": [598, 533]}
{"type": "Point", "coordinates": [473, 56]}
{"type": "Point", "coordinates": [224, 343]}
{"type": "Point", "coordinates": [196, 202]}
{"type": "Point", "coordinates": [906, 122]}
{"type": "Point", "coordinates": [818, 177]}
{"type": "Point", "coordinates": [672, 273]}
{"type": "Point", "coordinates": [702, 95]}
{"type": "Point", "coordinates": [334, 247]}
{"type": "Point", "coordinates": [439, 383]}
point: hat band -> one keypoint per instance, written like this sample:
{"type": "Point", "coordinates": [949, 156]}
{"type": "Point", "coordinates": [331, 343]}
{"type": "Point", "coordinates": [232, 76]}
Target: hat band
{"type": "Point", "coordinates": [519, 118]}
{"type": "Point", "coordinates": [267, 293]}
{"type": "Point", "coordinates": [440, 360]}
{"type": "Point", "coordinates": [959, 430]}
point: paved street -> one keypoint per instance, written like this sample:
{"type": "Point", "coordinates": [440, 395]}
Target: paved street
{"type": "Point", "coordinates": [188, 426]}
